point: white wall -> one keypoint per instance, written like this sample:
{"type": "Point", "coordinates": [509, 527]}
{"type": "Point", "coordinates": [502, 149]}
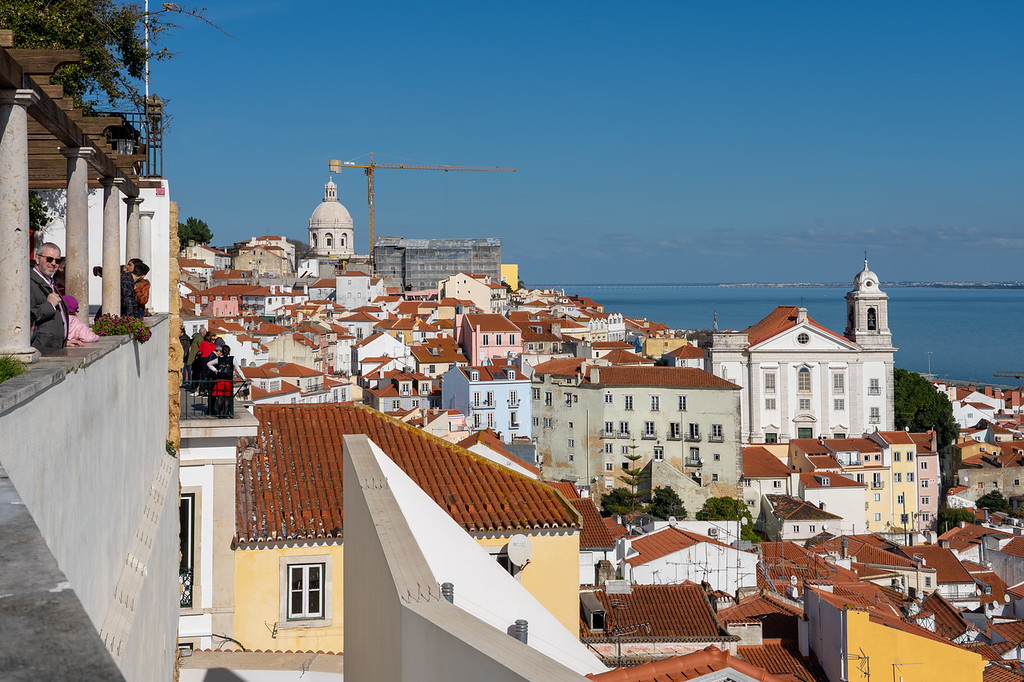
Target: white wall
{"type": "Point", "coordinates": [87, 455]}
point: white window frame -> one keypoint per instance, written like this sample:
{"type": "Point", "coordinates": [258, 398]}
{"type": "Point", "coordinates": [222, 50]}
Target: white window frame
{"type": "Point", "coordinates": [324, 619]}
{"type": "Point", "coordinates": [655, 403]}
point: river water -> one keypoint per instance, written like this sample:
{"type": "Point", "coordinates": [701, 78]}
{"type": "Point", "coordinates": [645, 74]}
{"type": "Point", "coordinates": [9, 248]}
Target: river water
{"type": "Point", "coordinates": [970, 333]}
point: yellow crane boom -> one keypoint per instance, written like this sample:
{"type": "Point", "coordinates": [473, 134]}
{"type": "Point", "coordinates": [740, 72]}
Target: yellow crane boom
{"type": "Point", "coordinates": [336, 166]}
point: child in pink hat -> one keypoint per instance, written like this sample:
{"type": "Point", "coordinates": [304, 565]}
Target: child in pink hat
{"type": "Point", "coordinates": [79, 333]}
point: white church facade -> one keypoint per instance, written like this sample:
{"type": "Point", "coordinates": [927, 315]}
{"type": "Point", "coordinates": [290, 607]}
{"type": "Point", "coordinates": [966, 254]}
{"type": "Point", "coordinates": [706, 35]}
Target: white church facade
{"type": "Point", "coordinates": [330, 227]}
{"type": "Point", "coordinates": [801, 380]}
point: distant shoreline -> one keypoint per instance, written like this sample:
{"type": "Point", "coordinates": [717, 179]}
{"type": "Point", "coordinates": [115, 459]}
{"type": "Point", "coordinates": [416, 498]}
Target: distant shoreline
{"type": "Point", "coordinates": [791, 285]}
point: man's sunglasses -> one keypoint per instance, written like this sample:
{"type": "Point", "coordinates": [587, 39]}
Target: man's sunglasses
{"type": "Point", "coordinates": [51, 259]}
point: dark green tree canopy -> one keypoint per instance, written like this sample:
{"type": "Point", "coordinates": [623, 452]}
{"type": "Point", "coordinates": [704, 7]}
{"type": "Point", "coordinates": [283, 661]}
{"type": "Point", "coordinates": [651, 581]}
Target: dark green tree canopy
{"type": "Point", "coordinates": [722, 509]}
{"type": "Point", "coordinates": [919, 407]}
{"type": "Point", "coordinates": [665, 502]}
{"type": "Point", "coordinates": [993, 501]}
{"type": "Point", "coordinates": [950, 518]}
{"type": "Point", "coordinates": [109, 35]}
{"type": "Point", "coordinates": [194, 230]}
{"type": "Point", "coordinates": [617, 501]}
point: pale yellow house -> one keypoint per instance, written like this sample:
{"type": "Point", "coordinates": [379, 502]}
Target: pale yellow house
{"type": "Point", "coordinates": [510, 275]}
{"type": "Point", "coordinates": [289, 544]}
{"type": "Point", "coordinates": [487, 295]}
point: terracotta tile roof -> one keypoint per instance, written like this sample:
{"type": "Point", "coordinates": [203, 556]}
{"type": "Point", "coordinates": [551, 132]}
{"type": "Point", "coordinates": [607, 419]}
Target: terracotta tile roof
{"type": "Point", "coordinates": [795, 509]}
{"type": "Point", "coordinates": [270, 370]}
{"type": "Point", "coordinates": [291, 487]}
{"type": "Point", "coordinates": [687, 352]}
{"type": "Point", "coordinates": [971, 534]}
{"type": "Point", "coordinates": [691, 666]}
{"type": "Point", "coordinates": [567, 488]}
{"type": "Point", "coordinates": [923, 442]}
{"type": "Point", "coordinates": [948, 568]}
{"type": "Point", "coordinates": [896, 437]}
{"type": "Point", "coordinates": [601, 345]}
{"type": "Point", "coordinates": [1014, 547]}
{"type": "Point", "coordinates": [674, 377]}
{"type": "Point", "coordinates": [949, 624]}
{"type": "Point", "coordinates": [783, 560]}
{"type": "Point", "coordinates": [864, 552]}
{"type": "Point", "coordinates": [987, 652]}
{"type": "Point", "coordinates": [621, 356]}
{"type": "Point", "coordinates": [664, 542]}
{"type": "Point", "coordinates": [760, 604]}
{"type": "Point", "coordinates": [490, 322]}
{"type": "Point", "coordinates": [673, 611]}
{"type": "Point", "coordinates": [782, 659]}
{"type": "Point", "coordinates": [999, 672]}
{"type": "Point", "coordinates": [858, 444]}
{"type": "Point", "coordinates": [594, 534]}
{"type": "Point", "coordinates": [1012, 634]}
{"type": "Point", "coordinates": [778, 321]}
{"type": "Point", "coordinates": [809, 446]}
{"type": "Point", "coordinates": [759, 462]}
{"type": "Point", "coordinates": [560, 366]}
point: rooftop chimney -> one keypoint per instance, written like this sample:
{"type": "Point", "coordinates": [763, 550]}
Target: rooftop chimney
{"type": "Point", "coordinates": [845, 544]}
{"type": "Point", "coordinates": [801, 315]}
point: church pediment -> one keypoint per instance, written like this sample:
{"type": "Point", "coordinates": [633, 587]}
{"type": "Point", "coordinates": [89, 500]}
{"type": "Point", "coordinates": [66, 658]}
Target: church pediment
{"type": "Point", "coordinates": [805, 337]}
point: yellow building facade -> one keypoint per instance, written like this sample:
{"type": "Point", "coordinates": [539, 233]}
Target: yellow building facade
{"type": "Point", "coordinates": [510, 275]}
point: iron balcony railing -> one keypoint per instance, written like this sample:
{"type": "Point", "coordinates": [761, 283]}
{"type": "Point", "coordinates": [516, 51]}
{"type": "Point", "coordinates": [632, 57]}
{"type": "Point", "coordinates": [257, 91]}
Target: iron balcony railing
{"type": "Point", "coordinates": [212, 398]}
{"type": "Point", "coordinates": [185, 577]}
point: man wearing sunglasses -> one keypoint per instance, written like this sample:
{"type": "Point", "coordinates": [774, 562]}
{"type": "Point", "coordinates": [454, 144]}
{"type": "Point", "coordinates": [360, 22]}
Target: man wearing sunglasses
{"type": "Point", "coordinates": [48, 311]}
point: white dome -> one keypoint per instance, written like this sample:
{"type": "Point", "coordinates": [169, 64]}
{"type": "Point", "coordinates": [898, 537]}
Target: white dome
{"type": "Point", "coordinates": [330, 213]}
{"type": "Point", "coordinates": [865, 279]}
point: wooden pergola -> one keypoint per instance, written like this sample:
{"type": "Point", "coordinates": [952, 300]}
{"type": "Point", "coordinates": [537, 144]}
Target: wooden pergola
{"type": "Point", "coordinates": [47, 143]}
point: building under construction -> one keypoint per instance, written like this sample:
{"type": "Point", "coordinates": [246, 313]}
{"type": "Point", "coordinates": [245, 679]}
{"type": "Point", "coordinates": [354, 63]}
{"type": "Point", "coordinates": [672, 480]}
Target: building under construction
{"type": "Point", "coordinates": [416, 264]}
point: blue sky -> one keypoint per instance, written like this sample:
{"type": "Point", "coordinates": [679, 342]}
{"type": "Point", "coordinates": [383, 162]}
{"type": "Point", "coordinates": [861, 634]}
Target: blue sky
{"type": "Point", "coordinates": [655, 142]}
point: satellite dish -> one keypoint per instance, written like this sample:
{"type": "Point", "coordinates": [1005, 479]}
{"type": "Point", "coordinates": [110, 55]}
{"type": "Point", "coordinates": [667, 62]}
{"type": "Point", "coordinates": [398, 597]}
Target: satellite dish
{"type": "Point", "coordinates": [672, 521]}
{"type": "Point", "coordinates": [792, 580]}
{"type": "Point", "coordinates": [1006, 598]}
{"type": "Point", "coordinates": [744, 521]}
{"type": "Point", "coordinates": [519, 549]}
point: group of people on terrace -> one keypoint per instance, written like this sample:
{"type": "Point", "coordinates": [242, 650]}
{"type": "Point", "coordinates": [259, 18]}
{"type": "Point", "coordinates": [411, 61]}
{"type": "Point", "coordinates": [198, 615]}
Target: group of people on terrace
{"type": "Point", "coordinates": [53, 313]}
{"type": "Point", "coordinates": [209, 369]}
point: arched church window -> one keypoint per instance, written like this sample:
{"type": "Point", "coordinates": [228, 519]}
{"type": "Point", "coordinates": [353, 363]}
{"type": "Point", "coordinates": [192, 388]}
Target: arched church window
{"type": "Point", "coordinates": [329, 240]}
{"type": "Point", "coordinates": [803, 380]}
{"type": "Point", "coordinates": [313, 239]}
{"type": "Point", "coordinates": [872, 319]}
{"type": "Point", "coordinates": [344, 238]}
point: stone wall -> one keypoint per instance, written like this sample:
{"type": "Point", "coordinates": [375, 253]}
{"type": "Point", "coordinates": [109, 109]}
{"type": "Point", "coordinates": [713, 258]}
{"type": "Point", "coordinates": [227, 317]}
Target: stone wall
{"type": "Point", "coordinates": [84, 443]}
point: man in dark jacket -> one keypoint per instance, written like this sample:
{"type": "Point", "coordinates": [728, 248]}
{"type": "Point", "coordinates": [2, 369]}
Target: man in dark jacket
{"type": "Point", "coordinates": [47, 309]}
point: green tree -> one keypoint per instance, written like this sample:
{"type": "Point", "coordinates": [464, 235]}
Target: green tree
{"type": "Point", "coordinates": [109, 35]}
{"type": "Point", "coordinates": [919, 407]}
{"type": "Point", "coordinates": [193, 230]}
{"type": "Point", "coordinates": [729, 509]}
{"type": "Point", "coordinates": [993, 501]}
{"type": "Point", "coordinates": [39, 215]}
{"type": "Point", "coordinates": [665, 502]}
{"type": "Point", "coordinates": [634, 476]}
{"type": "Point", "coordinates": [951, 518]}
{"type": "Point", "coordinates": [617, 501]}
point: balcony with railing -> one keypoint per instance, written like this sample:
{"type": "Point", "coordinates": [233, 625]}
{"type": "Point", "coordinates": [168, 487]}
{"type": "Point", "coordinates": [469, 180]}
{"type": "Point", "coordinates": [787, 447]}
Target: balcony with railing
{"type": "Point", "coordinates": [692, 437]}
{"type": "Point", "coordinates": [212, 398]}
{"type": "Point", "coordinates": [877, 484]}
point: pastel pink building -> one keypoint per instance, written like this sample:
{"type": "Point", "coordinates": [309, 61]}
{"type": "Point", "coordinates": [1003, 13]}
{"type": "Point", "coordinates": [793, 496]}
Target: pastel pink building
{"type": "Point", "coordinates": [927, 479]}
{"type": "Point", "coordinates": [486, 335]}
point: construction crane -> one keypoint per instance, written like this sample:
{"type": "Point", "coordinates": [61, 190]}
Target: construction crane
{"type": "Point", "coordinates": [336, 166]}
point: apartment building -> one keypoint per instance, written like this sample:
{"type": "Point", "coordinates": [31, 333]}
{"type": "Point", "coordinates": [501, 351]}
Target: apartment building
{"type": "Point", "coordinates": [682, 422]}
{"type": "Point", "coordinates": [492, 397]}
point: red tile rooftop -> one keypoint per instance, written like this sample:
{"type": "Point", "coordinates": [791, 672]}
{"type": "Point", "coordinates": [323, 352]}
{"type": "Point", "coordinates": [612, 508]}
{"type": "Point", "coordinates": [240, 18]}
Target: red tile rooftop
{"type": "Point", "coordinates": [759, 462]}
{"type": "Point", "coordinates": [290, 487]}
{"type": "Point", "coordinates": [711, 661]}
{"type": "Point", "coordinates": [673, 611]}
{"type": "Point", "coordinates": [664, 542]}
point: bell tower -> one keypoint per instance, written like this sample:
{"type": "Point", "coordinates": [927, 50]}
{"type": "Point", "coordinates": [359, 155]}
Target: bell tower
{"type": "Point", "coordinates": [867, 311]}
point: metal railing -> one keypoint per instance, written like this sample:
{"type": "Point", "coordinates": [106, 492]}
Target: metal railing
{"type": "Point", "coordinates": [185, 578]}
{"type": "Point", "coordinates": [212, 398]}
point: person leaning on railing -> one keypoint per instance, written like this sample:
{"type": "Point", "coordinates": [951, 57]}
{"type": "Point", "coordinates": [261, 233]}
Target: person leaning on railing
{"type": "Point", "coordinates": [190, 357]}
{"type": "Point", "coordinates": [222, 367]}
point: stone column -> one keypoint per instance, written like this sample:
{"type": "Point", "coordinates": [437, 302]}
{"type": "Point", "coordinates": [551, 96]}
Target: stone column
{"type": "Point", "coordinates": [132, 242]}
{"type": "Point", "coordinates": [76, 220]}
{"type": "Point", "coordinates": [15, 325]}
{"type": "Point", "coordinates": [146, 237]}
{"type": "Point", "coordinates": [111, 247]}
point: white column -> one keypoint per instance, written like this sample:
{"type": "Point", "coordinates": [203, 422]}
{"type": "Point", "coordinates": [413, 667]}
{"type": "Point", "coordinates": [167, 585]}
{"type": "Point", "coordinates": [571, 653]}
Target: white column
{"type": "Point", "coordinates": [132, 242]}
{"type": "Point", "coordinates": [111, 247]}
{"type": "Point", "coordinates": [146, 237]}
{"type": "Point", "coordinates": [76, 220]}
{"type": "Point", "coordinates": [15, 246]}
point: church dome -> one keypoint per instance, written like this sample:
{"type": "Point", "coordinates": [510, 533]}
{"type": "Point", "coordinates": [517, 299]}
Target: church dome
{"type": "Point", "coordinates": [330, 213]}
{"type": "Point", "coordinates": [866, 280]}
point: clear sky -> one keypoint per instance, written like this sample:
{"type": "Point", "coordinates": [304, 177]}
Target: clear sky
{"type": "Point", "coordinates": [655, 142]}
